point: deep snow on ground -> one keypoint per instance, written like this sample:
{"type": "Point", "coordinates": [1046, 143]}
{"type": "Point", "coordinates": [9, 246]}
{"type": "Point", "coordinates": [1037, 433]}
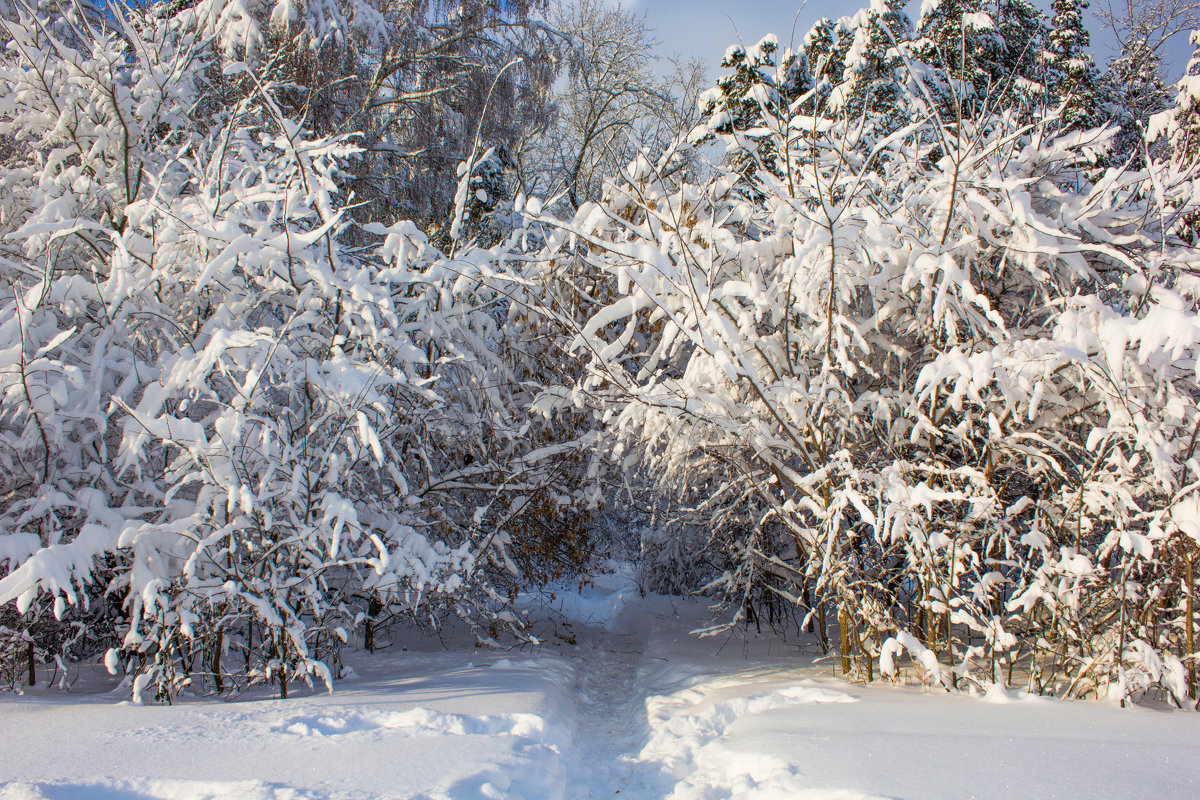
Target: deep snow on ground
{"type": "Point", "coordinates": [620, 701]}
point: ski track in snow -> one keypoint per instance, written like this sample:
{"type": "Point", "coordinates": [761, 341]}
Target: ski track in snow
{"type": "Point", "coordinates": [621, 702]}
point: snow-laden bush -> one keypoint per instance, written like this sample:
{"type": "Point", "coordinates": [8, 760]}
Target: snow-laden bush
{"type": "Point", "coordinates": [935, 382]}
{"type": "Point", "coordinates": [228, 438]}
{"type": "Point", "coordinates": [930, 382]}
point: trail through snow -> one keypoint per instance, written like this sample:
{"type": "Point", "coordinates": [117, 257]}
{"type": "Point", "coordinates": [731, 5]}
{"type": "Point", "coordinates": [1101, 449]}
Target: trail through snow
{"type": "Point", "coordinates": [611, 723]}
{"type": "Point", "coordinates": [607, 641]}
{"type": "Point", "coordinates": [621, 701]}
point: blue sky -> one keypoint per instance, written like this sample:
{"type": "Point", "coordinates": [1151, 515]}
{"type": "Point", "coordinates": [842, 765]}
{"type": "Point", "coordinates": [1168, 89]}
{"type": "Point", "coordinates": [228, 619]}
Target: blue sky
{"type": "Point", "coordinates": [704, 28]}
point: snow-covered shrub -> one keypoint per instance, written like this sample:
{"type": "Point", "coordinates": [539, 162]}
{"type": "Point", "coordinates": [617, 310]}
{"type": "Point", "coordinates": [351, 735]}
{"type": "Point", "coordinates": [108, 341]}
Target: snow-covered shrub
{"type": "Point", "coordinates": [220, 422]}
{"type": "Point", "coordinates": [1179, 128]}
{"type": "Point", "coordinates": [937, 380]}
{"type": "Point", "coordinates": [418, 81]}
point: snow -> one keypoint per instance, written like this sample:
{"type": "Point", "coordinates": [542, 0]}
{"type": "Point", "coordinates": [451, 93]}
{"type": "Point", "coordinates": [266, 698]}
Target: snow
{"type": "Point", "coordinates": [600, 601]}
{"type": "Point", "coordinates": [430, 724]}
{"type": "Point", "coordinates": [978, 20]}
{"type": "Point", "coordinates": [620, 700]}
{"type": "Point", "coordinates": [940, 385]}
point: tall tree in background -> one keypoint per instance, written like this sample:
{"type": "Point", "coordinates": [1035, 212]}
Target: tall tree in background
{"type": "Point", "coordinates": [614, 102]}
{"type": "Point", "coordinates": [1073, 75]}
{"type": "Point", "coordinates": [1178, 130]}
{"type": "Point", "coordinates": [952, 37]}
{"type": "Point", "coordinates": [1137, 74]}
{"type": "Point", "coordinates": [986, 56]}
{"type": "Point", "coordinates": [1153, 24]}
{"type": "Point", "coordinates": [872, 79]}
{"type": "Point", "coordinates": [1183, 127]}
{"type": "Point", "coordinates": [821, 53]}
{"type": "Point", "coordinates": [755, 91]}
{"type": "Point", "coordinates": [1142, 30]}
{"type": "Point", "coordinates": [1014, 69]}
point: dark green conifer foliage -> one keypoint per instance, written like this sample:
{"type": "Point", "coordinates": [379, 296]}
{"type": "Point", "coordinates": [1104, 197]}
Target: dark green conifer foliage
{"type": "Point", "coordinates": [872, 71]}
{"type": "Point", "coordinates": [949, 41]}
{"type": "Point", "coordinates": [1072, 75]}
{"type": "Point", "coordinates": [1137, 76]}
{"type": "Point", "coordinates": [754, 91]}
{"type": "Point", "coordinates": [1014, 70]}
{"type": "Point", "coordinates": [987, 54]}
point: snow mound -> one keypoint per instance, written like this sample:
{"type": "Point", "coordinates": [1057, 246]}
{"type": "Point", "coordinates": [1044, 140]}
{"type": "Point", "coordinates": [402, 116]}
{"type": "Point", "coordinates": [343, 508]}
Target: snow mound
{"type": "Point", "coordinates": [651, 711]}
{"type": "Point", "coordinates": [414, 722]}
{"type": "Point", "coordinates": [757, 776]}
{"type": "Point", "coordinates": [599, 602]}
{"type": "Point", "coordinates": [689, 729]}
{"type": "Point", "coordinates": [153, 790]}
{"type": "Point", "coordinates": [706, 736]}
{"type": "Point", "coordinates": [671, 722]}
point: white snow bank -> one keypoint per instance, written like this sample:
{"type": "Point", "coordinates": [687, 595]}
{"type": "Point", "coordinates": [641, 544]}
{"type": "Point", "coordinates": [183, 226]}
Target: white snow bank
{"type": "Point", "coordinates": [152, 790]}
{"type": "Point", "coordinates": [599, 602]}
{"type": "Point", "coordinates": [692, 731]}
{"type": "Point", "coordinates": [416, 722]}
{"type": "Point", "coordinates": [749, 718]}
{"type": "Point", "coordinates": [435, 726]}
{"type": "Point", "coordinates": [647, 709]}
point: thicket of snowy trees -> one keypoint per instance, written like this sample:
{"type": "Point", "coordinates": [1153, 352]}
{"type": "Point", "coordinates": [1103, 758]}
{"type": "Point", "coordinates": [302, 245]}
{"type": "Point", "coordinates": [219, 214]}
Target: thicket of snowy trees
{"type": "Point", "coordinates": [894, 333]}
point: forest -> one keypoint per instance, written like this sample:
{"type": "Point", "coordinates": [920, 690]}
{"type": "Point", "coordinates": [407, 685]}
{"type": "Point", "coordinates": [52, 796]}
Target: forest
{"type": "Point", "coordinates": [325, 318]}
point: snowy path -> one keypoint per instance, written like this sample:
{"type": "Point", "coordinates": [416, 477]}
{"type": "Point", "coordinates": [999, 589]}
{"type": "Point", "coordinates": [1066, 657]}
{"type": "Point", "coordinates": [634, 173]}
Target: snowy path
{"type": "Point", "coordinates": [611, 719]}
{"type": "Point", "coordinates": [607, 642]}
{"type": "Point", "coordinates": [620, 702]}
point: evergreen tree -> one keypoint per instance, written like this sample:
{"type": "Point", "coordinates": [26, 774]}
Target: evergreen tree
{"type": "Point", "coordinates": [1185, 143]}
{"type": "Point", "coordinates": [482, 203]}
{"type": "Point", "coordinates": [1012, 65]}
{"type": "Point", "coordinates": [1137, 75]}
{"type": "Point", "coordinates": [951, 37]}
{"type": "Point", "coordinates": [1178, 128]}
{"type": "Point", "coordinates": [1072, 73]}
{"type": "Point", "coordinates": [823, 62]}
{"type": "Point", "coordinates": [749, 102]}
{"type": "Point", "coordinates": [987, 54]}
{"type": "Point", "coordinates": [871, 68]}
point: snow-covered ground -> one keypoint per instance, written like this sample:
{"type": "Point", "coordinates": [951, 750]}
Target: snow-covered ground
{"type": "Point", "coordinates": [620, 702]}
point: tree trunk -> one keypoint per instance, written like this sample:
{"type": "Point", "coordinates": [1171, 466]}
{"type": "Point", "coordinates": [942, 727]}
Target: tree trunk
{"type": "Point", "coordinates": [927, 618]}
{"type": "Point", "coordinates": [31, 663]}
{"type": "Point", "coordinates": [1190, 609]}
{"type": "Point", "coordinates": [249, 641]}
{"type": "Point", "coordinates": [844, 637]}
{"type": "Point", "coordinates": [374, 607]}
{"type": "Point", "coordinates": [822, 628]}
{"type": "Point", "coordinates": [283, 682]}
{"type": "Point", "coordinates": [867, 658]}
{"type": "Point", "coordinates": [218, 681]}
{"type": "Point", "coordinates": [751, 615]}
